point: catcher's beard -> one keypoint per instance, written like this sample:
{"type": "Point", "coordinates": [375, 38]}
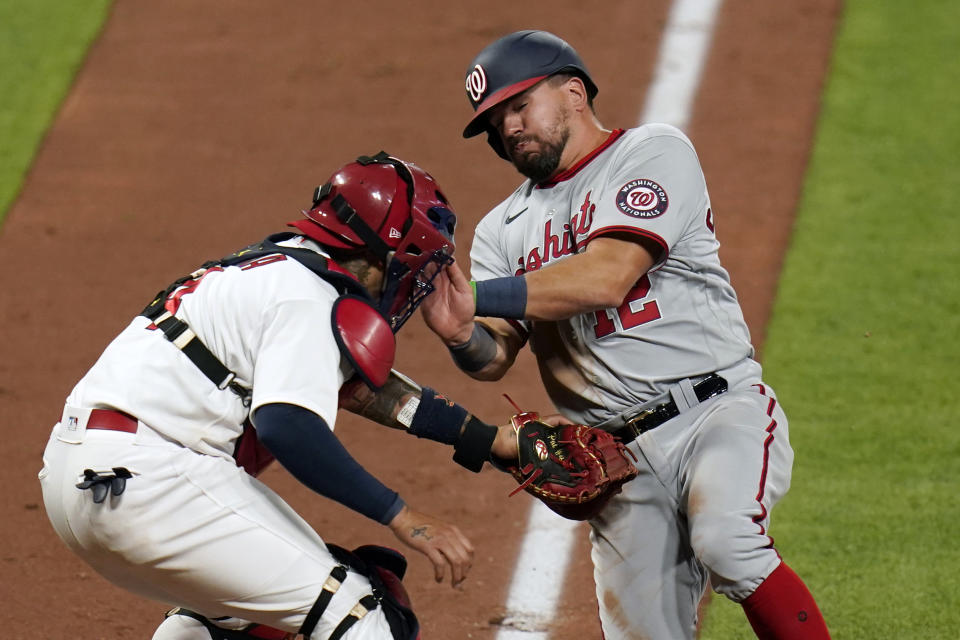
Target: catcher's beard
{"type": "Point", "coordinates": [540, 164]}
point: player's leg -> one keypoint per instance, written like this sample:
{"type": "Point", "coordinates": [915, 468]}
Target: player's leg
{"type": "Point", "coordinates": [782, 608]}
{"type": "Point", "coordinates": [195, 531]}
{"type": "Point", "coordinates": [647, 579]}
{"type": "Point", "coordinates": [181, 627]}
{"type": "Point", "coordinates": [182, 624]}
{"type": "Point", "coordinates": [737, 468]}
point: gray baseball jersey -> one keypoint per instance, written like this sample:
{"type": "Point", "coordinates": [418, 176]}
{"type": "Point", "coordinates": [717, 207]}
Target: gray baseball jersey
{"type": "Point", "coordinates": [682, 319]}
{"type": "Point", "coordinates": [708, 478]}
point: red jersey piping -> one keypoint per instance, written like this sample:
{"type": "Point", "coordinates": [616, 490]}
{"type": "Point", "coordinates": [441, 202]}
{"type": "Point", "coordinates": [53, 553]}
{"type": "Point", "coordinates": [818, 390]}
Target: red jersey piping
{"type": "Point", "coordinates": [575, 169]}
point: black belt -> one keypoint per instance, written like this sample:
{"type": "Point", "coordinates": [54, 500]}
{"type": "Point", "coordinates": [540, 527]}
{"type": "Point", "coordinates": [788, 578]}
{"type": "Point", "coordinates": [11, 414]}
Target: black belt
{"type": "Point", "coordinates": [652, 416]}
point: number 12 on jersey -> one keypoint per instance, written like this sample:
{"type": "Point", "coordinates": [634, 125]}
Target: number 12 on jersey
{"type": "Point", "coordinates": [646, 312]}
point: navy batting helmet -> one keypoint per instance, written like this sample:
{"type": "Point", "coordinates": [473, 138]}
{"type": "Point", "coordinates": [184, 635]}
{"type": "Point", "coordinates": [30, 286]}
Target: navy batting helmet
{"type": "Point", "coordinates": [511, 65]}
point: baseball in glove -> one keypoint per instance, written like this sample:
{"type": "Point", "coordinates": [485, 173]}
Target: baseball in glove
{"type": "Point", "coordinates": [573, 469]}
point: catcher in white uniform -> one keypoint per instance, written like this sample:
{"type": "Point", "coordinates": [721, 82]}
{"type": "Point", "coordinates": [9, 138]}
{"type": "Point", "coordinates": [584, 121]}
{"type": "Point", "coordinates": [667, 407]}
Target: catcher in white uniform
{"type": "Point", "coordinates": [149, 474]}
{"type": "Point", "coordinates": [606, 260]}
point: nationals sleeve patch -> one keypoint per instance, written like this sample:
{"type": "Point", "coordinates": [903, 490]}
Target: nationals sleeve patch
{"type": "Point", "coordinates": [642, 198]}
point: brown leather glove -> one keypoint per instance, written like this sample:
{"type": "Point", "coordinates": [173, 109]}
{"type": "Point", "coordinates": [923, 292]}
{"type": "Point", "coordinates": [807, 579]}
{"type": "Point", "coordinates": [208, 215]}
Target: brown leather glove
{"type": "Point", "coordinates": [573, 469]}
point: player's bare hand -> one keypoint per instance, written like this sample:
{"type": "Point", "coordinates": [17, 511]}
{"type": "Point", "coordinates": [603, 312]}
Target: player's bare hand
{"type": "Point", "coordinates": [505, 443]}
{"type": "Point", "coordinates": [442, 543]}
{"type": "Point", "coordinates": [555, 420]}
{"type": "Point", "coordinates": [449, 310]}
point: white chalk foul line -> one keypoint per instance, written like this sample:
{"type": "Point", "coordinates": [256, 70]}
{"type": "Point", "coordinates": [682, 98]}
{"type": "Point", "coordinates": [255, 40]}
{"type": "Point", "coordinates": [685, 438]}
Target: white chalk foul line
{"type": "Point", "coordinates": [539, 576]}
{"type": "Point", "coordinates": [683, 51]}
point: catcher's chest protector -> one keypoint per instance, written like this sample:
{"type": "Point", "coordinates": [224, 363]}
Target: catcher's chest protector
{"type": "Point", "coordinates": [362, 333]}
{"type": "Point", "coordinates": [365, 339]}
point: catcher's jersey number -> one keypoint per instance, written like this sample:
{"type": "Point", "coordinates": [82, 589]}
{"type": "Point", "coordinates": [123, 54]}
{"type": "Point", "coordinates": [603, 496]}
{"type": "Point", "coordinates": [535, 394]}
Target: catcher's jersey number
{"type": "Point", "coordinates": [646, 312]}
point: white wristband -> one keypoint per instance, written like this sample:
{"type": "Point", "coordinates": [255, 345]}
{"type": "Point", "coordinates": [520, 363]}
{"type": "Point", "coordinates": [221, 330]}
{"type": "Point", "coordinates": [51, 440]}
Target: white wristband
{"type": "Point", "coordinates": [405, 417]}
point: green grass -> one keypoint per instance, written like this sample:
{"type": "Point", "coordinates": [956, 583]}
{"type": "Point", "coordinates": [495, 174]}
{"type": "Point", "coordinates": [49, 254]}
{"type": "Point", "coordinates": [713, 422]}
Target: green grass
{"type": "Point", "coordinates": [42, 45]}
{"type": "Point", "coordinates": [863, 346]}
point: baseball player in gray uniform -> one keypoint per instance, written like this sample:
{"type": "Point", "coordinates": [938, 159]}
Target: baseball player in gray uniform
{"type": "Point", "coordinates": [606, 260]}
{"type": "Point", "coordinates": [149, 474]}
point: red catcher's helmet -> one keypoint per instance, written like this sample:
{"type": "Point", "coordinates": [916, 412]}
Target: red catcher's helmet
{"type": "Point", "coordinates": [396, 211]}
{"type": "Point", "coordinates": [511, 65]}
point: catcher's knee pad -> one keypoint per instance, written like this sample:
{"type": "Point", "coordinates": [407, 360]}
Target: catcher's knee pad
{"type": "Point", "coordinates": [180, 627]}
{"type": "Point", "coordinates": [183, 624]}
{"type": "Point", "coordinates": [384, 568]}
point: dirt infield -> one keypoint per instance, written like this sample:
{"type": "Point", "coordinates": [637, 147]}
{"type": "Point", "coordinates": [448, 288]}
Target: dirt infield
{"type": "Point", "coordinates": [193, 130]}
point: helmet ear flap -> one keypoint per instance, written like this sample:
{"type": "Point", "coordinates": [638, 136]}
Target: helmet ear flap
{"type": "Point", "coordinates": [493, 139]}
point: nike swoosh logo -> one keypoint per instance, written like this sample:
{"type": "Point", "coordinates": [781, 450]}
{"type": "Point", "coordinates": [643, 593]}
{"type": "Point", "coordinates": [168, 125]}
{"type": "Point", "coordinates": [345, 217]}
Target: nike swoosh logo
{"type": "Point", "coordinates": [514, 217]}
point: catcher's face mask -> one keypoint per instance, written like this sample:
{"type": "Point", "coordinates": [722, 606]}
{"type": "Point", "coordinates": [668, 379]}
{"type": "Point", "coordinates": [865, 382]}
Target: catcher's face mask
{"type": "Point", "coordinates": [395, 210]}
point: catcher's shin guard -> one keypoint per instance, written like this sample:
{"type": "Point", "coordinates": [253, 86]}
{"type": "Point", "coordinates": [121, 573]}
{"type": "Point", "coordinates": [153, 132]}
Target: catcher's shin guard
{"type": "Point", "coordinates": [181, 627]}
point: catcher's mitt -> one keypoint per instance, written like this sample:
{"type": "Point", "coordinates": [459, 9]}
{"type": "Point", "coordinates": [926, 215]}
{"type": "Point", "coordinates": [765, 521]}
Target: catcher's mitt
{"type": "Point", "coordinates": [573, 469]}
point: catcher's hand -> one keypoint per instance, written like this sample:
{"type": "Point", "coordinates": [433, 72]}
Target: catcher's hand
{"type": "Point", "coordinates": [572, 468]}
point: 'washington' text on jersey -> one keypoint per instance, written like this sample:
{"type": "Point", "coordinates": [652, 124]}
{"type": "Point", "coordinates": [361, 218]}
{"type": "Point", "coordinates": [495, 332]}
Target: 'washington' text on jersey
{"type": "Point", "coordinates": [553, 245]}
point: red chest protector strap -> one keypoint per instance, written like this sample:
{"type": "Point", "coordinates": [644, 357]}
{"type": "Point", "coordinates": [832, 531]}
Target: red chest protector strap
{"type": "Point", "coordinates": [365, 339]}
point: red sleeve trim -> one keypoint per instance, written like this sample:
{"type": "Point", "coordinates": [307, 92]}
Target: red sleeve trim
{"type": "Point", "coordinates": [575, 169]}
